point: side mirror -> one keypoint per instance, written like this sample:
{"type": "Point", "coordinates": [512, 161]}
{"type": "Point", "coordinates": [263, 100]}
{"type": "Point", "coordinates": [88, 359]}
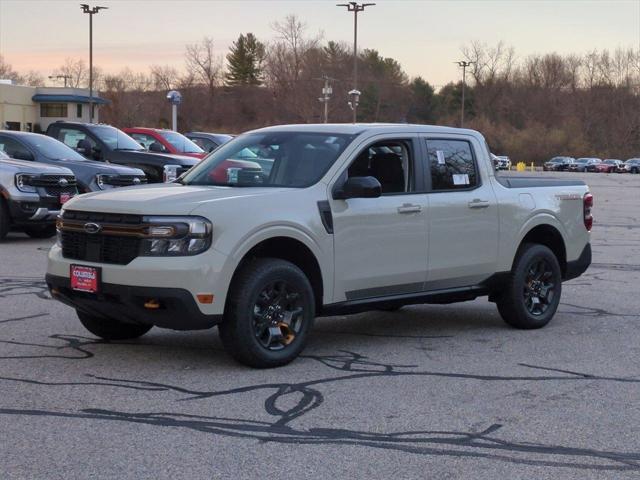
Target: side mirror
{"type": "Point", "coordinates": [359, 187]}
{"type": "Point", "coordinates": [22, 155]}
{"type": "Point", "coordinates": [156, 147]}
{"type": "Point", "coordinates": [84, 147]}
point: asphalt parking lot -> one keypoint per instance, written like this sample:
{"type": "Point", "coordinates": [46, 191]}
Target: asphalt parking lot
{"type": "Point", "coordinates": [428, 392]}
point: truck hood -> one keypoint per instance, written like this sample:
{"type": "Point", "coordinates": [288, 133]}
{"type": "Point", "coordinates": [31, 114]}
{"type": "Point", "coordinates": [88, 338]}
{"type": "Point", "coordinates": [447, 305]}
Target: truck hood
{"type": "Point", "coordinates": [161, 198]}
{"type": "Point", "coordinates": [25, 166]}
{"type": "Point", "coordinates": [98, 167]}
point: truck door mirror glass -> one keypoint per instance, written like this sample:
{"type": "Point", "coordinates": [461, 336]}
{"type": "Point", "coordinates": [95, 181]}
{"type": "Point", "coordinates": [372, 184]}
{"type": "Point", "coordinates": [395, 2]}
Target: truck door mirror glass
{"type": "Point", "coordinates": [359, 187]}
{"type": "Point", "coordinates": [84, 147]}
{"type": "Point", "coordinates": [22, 155]}
{"type": "Point", "coordinates": [156, 147]}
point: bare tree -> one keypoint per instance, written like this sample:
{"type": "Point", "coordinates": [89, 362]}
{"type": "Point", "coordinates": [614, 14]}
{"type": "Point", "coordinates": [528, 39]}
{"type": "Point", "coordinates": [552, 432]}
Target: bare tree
{"type": "Point", "coordinates": [165, 77]}
{"type": "Point", "coordinates": [203, 64]}
{"type": "Point", "coordinates": [76, 71]}
{"type": "Point", "coordinates": [7, 72]}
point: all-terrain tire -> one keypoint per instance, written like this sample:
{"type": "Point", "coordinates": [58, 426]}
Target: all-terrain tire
{"type": "Point", "coordinates": [110, 329]}
{"type": "Point", "coordinates": [243, 332]}
{"type": "Point", "coordinates": [40, 231]}
{"type": "Point", "coordinates": [5, 221]}
{"type": "Point", "coordinates": [515, 302]}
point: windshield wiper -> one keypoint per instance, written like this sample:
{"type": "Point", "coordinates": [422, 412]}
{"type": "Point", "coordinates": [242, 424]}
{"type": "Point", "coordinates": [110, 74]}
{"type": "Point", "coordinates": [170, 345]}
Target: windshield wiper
{"type": "Point", "coordinates": [128, 149]}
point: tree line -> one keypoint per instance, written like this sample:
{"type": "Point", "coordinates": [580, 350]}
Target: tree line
{"type": "Point", "coordinates": [529, 108]}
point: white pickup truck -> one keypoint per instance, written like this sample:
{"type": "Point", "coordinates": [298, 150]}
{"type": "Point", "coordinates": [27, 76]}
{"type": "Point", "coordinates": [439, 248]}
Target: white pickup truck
{"type": "Point", "coordinates": [287, 223]}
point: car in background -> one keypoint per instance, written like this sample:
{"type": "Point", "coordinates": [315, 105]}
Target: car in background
{"type": "Point", "coordinates": [558, 164]}
{"type": "Point", "coordinates": [504, 162]}
{"type": "Point", "coordinates": [32, 195]}
{"type": "Point", "coordinates": [208, 141]}
{"type": "Point", "coordinates": [110, 145]}
{"type": "Point", "coordinates": [584, 164]}
{"type": "Point", "coordinates": [91, 176]}
{"type": "Point", "coordinates": [632, 165]}
{"type": "Point", "coordinates": [609, 165]}
{"type": "Point", "coordinates": [165, 141]}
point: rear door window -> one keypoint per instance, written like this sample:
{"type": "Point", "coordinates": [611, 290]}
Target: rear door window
{"type": "Point", "coordinates": [452, 165]}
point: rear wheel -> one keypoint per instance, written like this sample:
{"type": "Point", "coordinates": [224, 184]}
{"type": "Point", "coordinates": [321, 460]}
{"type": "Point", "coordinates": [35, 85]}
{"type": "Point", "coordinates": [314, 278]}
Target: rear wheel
{"type": "Point", "coordinates": [532, 293]}
{"type": "Point", "coordinates": [111, 329]}
{"type": "Point", "coordinates": [40, 231]}
{"type": "Point", "coordinates": [270, 311]}
{"type": "Point", "coordinates": [4, 219]}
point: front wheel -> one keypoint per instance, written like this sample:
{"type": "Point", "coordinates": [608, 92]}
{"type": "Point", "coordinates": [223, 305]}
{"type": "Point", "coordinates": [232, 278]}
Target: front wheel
{"type": "Point", "coordinates": [270, 311]}
{"type": "Point", "coordinates": [532, 293]}
{"type": "Point", "coordinates": [4, 219]}
{"type": "Point", "coordinates": [111, 329]}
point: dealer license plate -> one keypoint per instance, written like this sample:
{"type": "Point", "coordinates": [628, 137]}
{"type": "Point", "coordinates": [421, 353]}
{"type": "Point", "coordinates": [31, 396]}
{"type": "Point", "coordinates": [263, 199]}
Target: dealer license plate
{"type": "Point", "coordinates": [85, 279]}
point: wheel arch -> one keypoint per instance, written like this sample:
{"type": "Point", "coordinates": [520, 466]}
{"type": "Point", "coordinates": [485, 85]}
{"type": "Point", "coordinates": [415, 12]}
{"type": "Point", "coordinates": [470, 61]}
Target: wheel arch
{"type": "Point", "coordinates": [289, 248]}
{"type": "Point", "coordinates": [549, 236]}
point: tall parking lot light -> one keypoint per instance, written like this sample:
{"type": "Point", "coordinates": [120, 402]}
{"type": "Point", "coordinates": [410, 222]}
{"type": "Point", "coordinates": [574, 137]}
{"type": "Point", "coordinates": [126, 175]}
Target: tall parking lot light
{"type": "Point", "coordinates": [464, 66]}
{"type": "Point", "coordinates": [354, 94]}
{"type": "Point", "coordinates": [91, 11]}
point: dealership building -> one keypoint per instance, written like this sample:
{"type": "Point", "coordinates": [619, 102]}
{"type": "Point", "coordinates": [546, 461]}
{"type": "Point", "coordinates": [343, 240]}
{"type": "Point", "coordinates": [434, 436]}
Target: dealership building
{"type": "Point", "coordinates": [32, 109]}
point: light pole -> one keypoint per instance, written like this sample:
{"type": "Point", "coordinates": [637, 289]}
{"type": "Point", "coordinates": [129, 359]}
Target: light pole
{"type": "Point", "coordinates": [91, 11]}
{"type": "Point", "coordinates": [464, 66]}
{"type": "Point", "coordinates": [355, 7]}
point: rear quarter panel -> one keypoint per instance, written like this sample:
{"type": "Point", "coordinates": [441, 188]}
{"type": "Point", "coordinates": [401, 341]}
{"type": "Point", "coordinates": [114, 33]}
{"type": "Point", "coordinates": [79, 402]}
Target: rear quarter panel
{"type": "Point", "coordinates": [523, 209]}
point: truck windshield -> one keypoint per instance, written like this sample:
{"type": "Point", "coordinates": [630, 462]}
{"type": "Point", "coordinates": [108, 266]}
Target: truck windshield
{"type": "Point", "coordinates": [271, 159]}
{"type": "Point", "coordinates": [52, 148]}
{"type": "Point", "coordinates": [180, 142]}
{"type": "Point", "coordinates": [115, 139]}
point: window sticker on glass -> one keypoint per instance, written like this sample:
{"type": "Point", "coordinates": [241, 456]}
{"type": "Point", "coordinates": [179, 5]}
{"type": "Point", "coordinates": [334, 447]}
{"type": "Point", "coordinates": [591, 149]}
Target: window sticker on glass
{"type": "Point", "coordinates": [440, 156]}
{"type": "Point", "coordinates": [461, 179]}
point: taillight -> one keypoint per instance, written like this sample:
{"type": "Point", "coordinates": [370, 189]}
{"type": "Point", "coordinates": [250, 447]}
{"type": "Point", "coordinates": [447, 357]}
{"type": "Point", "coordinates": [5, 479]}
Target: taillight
{"type": "Point", "coordinates": [587, 205]}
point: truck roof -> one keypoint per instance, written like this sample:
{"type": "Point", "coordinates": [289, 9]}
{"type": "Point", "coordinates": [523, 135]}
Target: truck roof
{"type": "Point", "coordinates": [358, 128]}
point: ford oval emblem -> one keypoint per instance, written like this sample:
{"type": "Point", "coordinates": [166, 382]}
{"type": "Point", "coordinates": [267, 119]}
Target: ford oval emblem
{"type": "Point", "coordinates": [63, 182]}
{"type": "Point", "coordinates": [92, 228]}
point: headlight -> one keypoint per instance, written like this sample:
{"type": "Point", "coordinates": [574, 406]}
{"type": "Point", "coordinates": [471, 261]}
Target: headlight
{"type": "Point", "coordinates": [176, 236]}
{"type": "Point", "coordinates": [23, 183]}
{"type": "Point", "coordinates": [102, 182]}
{"type": "Point", "coordinates": [170, 173]}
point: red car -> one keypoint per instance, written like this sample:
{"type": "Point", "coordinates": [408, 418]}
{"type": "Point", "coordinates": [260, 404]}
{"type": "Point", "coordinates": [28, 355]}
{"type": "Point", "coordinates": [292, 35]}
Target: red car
{"type": "Point", "coordinates": [608, 166]}
{"type": "Point", "coordinates": [165, 141]}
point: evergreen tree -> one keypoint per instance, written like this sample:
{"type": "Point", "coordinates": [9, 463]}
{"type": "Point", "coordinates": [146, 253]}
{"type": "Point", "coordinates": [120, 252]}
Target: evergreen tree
{"type": "Point", "coordinates": [245, 59]}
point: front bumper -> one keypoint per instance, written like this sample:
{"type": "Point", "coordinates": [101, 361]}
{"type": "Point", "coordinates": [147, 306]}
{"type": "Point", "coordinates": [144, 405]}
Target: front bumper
{"type": "Point", "coordinates": [208, 273]}
{"type": "Point", "coordinates": [177, 308]}
{"type": "Point", "coordinates": [34, 211]}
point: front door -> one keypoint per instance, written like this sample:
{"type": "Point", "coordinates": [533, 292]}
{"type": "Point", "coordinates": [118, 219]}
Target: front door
{"type": "Point", "coordinates": [463, 214]}
{"type": "Point", "coordinates": [380, 243]}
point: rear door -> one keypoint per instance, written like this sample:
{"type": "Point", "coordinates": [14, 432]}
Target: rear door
{"type": "Point", "coordinates": [463, 213]}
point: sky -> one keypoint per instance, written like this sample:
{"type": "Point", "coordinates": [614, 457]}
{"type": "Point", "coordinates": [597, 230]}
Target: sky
{"type": "Point", "coordinates": [425, 36]}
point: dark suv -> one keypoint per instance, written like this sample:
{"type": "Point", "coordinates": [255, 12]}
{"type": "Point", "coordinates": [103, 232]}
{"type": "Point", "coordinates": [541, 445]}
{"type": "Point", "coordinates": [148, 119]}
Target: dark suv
{"type": "Point", "coordinates": [108, 144]}
{"type": "Point", "coordinates": [558, 164]}
{"type": "Point", "coordinates": [91, 175]}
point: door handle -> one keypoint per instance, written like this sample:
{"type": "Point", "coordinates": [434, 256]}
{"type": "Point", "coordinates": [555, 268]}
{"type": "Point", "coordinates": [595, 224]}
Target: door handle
{"type": "Point", "coordinates": [477, 203]}
{"type": "Point", "coordinates": [409, 208]}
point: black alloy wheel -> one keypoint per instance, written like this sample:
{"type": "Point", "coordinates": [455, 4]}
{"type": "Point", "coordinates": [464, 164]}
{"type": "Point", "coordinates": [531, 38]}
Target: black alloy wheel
{"type": "Point", "coordinates": [277, 315]}
{"type": "Point", "coordinates": [531, 295]}
{"type": "Point", "coordinates": [269, 313]}
{"type": "Point", "coordinates": [539, 287]}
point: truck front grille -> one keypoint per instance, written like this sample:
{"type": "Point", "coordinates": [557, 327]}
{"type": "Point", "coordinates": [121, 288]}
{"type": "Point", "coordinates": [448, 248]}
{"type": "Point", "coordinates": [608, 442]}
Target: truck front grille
{"type": "Point", "coordinates": [54, 185]}
{"type": "Point", "coordinates": [124, 180]}
{"type": "Point", "coordinates": [98, 248]}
